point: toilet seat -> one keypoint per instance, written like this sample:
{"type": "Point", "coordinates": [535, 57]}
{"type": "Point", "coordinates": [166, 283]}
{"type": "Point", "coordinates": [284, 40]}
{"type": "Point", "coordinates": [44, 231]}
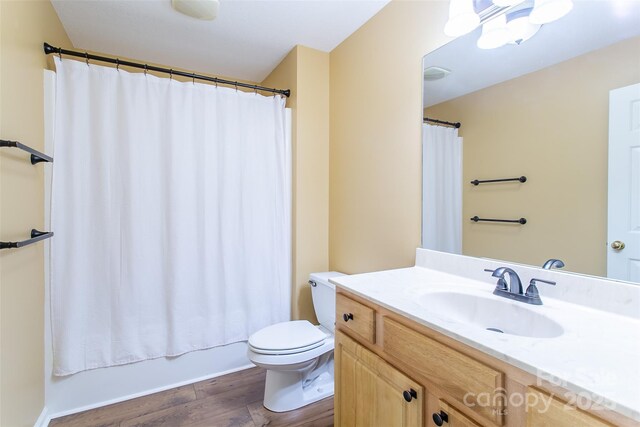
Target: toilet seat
{"type": "Point", "coordinates": [286, 351]}
{"type": "Point", "coordinates": [292, 359]}
{"type": "Point", "coordinates": [287, 338]}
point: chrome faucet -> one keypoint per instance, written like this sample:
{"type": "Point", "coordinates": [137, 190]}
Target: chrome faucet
{"type": "Point", "coordinates": [514, 289]}
{"type": "Point", "coordinates": [553, 263]}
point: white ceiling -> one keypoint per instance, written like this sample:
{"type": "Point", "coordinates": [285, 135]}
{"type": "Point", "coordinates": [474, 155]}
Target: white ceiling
{"type": "Point", "coordinates": [591, 25]}
{"type": "Point", "coordinates": [246, 41]}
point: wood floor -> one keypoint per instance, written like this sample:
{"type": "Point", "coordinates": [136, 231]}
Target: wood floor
{"type": "Point", "coordinates": [230, 400]}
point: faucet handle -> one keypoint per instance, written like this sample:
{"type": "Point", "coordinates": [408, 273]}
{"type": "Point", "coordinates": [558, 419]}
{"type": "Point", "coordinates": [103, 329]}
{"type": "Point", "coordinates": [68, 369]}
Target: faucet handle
{"type": "Point", "coordinates": [548, 282]}
{"type": "Point", "coordinates": [532, 290]}
{"type": "Point", "coordinates": [501, 284]}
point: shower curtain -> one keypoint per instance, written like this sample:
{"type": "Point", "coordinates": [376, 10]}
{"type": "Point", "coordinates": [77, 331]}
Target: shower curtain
{"type": "Point", "coordinates": [441, 189]}
{"type": "Point", "coordinates": [171, 211]}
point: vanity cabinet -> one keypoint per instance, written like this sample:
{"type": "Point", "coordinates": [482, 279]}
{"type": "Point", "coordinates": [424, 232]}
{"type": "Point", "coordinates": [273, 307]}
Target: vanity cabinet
{"type": "Point", "coordinates": [393, 371]}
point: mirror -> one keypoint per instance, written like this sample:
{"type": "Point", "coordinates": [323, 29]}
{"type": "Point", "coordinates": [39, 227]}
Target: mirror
{"type": "Point", "coordinates": [542, 110]}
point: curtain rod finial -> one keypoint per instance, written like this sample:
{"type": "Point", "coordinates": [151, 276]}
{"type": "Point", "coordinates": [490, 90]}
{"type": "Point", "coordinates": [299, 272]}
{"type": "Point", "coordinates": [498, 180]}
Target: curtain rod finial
{"type": "Point", "coordinates": [48, 48]}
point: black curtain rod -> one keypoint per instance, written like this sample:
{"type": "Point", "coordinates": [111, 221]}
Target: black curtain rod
{"type": "Point", "coordinates": [442, 122]}
{"type": "Point", "coordinates": [48, 49]}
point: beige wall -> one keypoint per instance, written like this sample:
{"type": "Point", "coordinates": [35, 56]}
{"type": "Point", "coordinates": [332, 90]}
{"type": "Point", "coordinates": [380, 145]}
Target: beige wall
{"type": "Point", "coordinates": [306, 72]}
{"type": "Point", "coordinates": [376, 116]}
{"type": "Point", "coordinates": [552, 126]}
{"type": "Point", "coordinates": [24, 26]}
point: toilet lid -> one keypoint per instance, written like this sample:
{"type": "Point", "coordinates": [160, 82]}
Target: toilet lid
{"type": "Point", "coordinates": [297, 334]}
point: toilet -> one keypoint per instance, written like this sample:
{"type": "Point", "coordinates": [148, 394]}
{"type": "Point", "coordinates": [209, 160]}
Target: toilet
{"type": "Point", "coordinates": [298, 355]}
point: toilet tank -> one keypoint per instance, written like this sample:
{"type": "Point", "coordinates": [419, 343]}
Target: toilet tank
{"type": "Point", "coordinates": [323, 294]}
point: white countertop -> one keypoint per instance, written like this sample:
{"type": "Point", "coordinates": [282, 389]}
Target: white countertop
{"type": "Point", "coordinates": [597, 356]}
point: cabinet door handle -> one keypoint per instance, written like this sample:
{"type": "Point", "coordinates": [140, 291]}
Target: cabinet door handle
{"type": "Point", "coordinates": [440, 418]}
{"type": "Point", "coordinates": [409, 395]}
{"type": "Point", "coordinates": [347, 316]}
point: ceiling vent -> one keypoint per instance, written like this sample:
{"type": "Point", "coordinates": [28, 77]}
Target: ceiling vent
{"type": "Point", "coordinates": [435, 73]}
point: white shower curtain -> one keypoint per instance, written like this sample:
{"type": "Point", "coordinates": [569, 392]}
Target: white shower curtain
{"type": "Point", "coordinates": [171, 212]}
{"type": "Point", "coordinates": [441, 189]}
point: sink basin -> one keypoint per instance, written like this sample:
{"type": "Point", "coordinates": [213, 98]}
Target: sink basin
{"type": "Point", "coordinates": [490, 314]}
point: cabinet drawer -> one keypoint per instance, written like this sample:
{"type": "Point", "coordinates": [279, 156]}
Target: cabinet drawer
{"type": "Point", "coordinates": [356, 318]}
{"type": "Point", "coordinates": [450, 417]}
{"type": "Point", "coordinates": [546, 410]}
{"type": "Point", "coordinates": [466, 380]}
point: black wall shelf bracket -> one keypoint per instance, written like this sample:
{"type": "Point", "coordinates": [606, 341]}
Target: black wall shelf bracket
{"type": "Point", "coordinates": [36, 236]}
{"type": "Point", "coordinates": [521, 221]}
{"type": "Point", "coordinates": [36, 156]}
{"type": "Point", "coordinates": [522, 179]}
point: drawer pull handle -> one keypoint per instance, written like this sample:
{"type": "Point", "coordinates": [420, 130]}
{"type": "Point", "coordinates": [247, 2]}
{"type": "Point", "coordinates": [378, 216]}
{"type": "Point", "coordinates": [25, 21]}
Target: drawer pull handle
{"type": "Point", "coordinates": [440, 418]}
{"type": "Point", "coordinates": [347, 316]}
{"type": "Point", "coordinates": [409, 395]}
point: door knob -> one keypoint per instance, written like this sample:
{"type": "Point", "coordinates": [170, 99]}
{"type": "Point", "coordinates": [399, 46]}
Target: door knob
{"type": "Point", "coordinates": [347, 316]}
{"type": "Point", "coordinates": [617, 245]}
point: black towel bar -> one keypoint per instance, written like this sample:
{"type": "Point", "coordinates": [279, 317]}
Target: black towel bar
{"type": "Point", "coordinates": [484, 181]}
{"type": "Point", "coordinates": [36, 236]}
{"type": "Point", "coordinates": [36, 156]}
{"type": "Point", "coordinates": [521, 221]}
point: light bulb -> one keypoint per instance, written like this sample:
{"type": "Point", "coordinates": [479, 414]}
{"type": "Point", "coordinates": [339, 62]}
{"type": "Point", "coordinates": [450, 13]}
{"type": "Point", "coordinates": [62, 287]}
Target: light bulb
{"type": "Point", "coordinates": [462, 18]}
{"type": "Point", "coordinates": [519, 26]}
{"type": "Point", "coordinates": [545, 11]}
{"type": "Point", "coordinates": [494, 33]}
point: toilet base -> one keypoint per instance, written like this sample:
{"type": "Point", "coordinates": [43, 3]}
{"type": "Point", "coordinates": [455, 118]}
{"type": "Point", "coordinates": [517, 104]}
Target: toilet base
{"type": "Point", "coordinates": [285, 391]}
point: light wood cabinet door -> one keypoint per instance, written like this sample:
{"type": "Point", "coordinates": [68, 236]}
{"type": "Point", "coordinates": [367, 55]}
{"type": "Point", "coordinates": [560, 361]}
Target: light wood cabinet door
{"type": "Point", "coordinates": [372, 393]}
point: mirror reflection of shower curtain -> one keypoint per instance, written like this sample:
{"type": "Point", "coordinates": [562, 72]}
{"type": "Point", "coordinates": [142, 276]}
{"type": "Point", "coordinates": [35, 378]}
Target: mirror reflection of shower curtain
{"type": "Point", "coordinates": [441, 189]}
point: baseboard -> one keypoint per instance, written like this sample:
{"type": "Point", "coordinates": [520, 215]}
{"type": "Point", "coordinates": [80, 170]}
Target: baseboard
{"type": "Point", "coordinates": [49, 417]}
{"type": "Point", "coordinates": [43, 419]}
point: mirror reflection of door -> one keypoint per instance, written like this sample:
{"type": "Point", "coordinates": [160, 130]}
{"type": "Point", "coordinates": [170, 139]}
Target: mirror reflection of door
{"type": "Point", "coordinates": [623, 259]}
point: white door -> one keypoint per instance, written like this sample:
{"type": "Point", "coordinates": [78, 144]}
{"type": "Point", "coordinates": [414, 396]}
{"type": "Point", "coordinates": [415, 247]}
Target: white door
{"type": "Point", "coordinates": [623, 246]}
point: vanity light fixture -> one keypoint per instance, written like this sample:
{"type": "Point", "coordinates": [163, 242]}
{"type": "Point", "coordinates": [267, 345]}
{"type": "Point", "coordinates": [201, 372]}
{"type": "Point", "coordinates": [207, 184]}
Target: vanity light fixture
{"type": "Point", "coordinates": [200, 9]}
{"type": "Point", "coordinates": [504, 21]}
{"type": "Point", "coordinates": [462, 18]}
{"type": "Point", "coordinates": [545, 11]}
